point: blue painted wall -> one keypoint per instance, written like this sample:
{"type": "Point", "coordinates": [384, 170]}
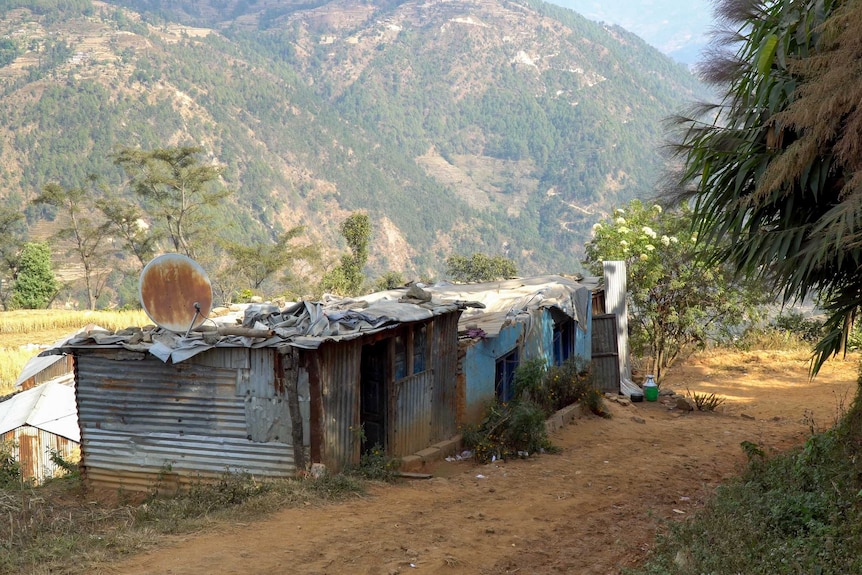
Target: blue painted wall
{"type": "Point", "coordinates": [480, 364]}
{"type": "Point", "coordinates": [535, 339]}
{"type": "Point", "coordinates": [584, 339]}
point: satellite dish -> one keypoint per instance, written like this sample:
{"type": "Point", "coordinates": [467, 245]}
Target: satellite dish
{"type": "Point", "coordinates": [176, 292]}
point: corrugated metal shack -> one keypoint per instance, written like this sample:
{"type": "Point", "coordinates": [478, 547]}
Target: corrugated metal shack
{"type": "Point", "coordinates": [37, 422]}
{"type": "Point", "coordinates": [44, 369]}
{"type": "Point", "coordinates": [545, 316]}
{"type": "Point", "coordinates": [156, 407]}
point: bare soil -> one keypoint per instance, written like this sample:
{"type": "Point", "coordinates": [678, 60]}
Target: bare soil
{"type": "Point", "coordinates": [593, 508]}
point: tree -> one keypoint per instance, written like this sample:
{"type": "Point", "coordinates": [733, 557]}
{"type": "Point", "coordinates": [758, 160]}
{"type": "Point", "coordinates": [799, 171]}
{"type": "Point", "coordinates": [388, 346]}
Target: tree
{"type": "Point", "coordinates": [87, 234]}
{"type": "Point", "coordinates": [126, 220]}
{"type": "Point", "coordinates": [258, 262]}
{"type": "Point", "coordinates": [347, 277]}
{"type": "Point", "coordinates": [175, 186]}
{"type": "Point", "coordinates": [676, 299]}
{"type": "Point", "coordinates": [389, 280]}
{"type": "Point", "coordinates": [10, 247]}
{"type": "Point", "coordinates": [480, 268]}
{"type": "Point", "coordinates": [35, 284]}
{"type": "Point", "coordinates": [774, 172]}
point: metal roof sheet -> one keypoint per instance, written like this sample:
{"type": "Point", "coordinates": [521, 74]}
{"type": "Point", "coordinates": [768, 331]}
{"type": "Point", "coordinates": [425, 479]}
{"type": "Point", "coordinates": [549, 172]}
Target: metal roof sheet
{"type": "Point", "coordinates": [50, 407]}
{"type": "Point", "coordinates": [489, 306]}
{"type": "Point", "coordinates": [304, 325]}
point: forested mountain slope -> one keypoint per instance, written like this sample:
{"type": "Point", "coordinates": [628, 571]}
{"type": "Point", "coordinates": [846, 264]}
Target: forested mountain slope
{"type": "Point", "coordinates": [474, 125]}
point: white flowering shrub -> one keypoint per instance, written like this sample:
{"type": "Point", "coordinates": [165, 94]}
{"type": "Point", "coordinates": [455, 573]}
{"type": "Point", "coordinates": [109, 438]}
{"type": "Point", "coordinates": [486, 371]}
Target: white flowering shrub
{"type": "Point", "coordinates": [677, 300]}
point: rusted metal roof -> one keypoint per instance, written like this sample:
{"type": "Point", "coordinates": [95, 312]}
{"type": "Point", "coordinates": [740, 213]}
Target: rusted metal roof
{"type": "Point", "coordinates": [40, 363]}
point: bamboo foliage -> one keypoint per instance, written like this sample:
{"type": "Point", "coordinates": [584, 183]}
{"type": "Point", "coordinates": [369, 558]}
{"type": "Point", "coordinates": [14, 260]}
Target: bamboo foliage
{"type": "Point", "coordinates": [775, 166]}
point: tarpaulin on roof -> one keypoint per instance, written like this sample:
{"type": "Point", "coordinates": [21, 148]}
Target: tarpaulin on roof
{"type": "Point", "coordinates": [304, 325]}
{"type": "Point", "coordinates": [509, 301]}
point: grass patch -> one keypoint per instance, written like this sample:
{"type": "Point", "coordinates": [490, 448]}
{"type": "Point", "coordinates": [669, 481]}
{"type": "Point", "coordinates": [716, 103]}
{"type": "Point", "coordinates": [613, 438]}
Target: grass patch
{"type": "Point", "coordinates": [799, 512]}
{"type": "Point", "coordinates": [705, 401]}
{"type": "Point", "coordinates": [375, 465]}
{"type": "Point", "coordinates": [32, 321]}
{"type": "Point", "coordinates": [56, 529]}
{"type": "Point", "coordinates": [12, 361]}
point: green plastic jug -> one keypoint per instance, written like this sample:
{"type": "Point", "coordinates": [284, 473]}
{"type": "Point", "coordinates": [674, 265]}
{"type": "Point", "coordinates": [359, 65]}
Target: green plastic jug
{"type": "Point", "coordinates": [650, 389]}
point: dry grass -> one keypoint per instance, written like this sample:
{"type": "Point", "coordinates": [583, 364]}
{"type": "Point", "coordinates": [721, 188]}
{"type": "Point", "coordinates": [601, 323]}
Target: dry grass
{"type": "Point", "coordinates": [12, 361]}
{"type": "Point", "coordinates": [58, 528]}
{"type": "Point", "coordinates": [754, 360]}
{"type": "Point", "coordinates": [24, 333]}
{"type": "Point", "coordinates": [34, 321]}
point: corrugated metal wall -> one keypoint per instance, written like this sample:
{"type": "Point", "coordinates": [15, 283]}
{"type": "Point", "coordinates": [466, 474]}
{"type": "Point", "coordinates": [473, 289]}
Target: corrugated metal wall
{"type": "Point", "coordinates": [422, 407]}
{"type": "Point", "coordinates": [615, 303]}
{"type": "Point", "coordinates": [411, 423]}
{"type": "Point", "coordinates": [60, 369]}
{"type": "Point", "coordinates": [444, 359]}
{"type": "Point", "coordinates": [33, 448]}
{"type": "Point", "coordinates": [338, 366]}
{"type": "Point", "coordinates": [605, 362]}
{"type": "Point", "coordinates": [142, 419]}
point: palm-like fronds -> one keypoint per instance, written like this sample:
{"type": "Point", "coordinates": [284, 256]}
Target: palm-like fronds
{"type": "Point", "coordinates": [777, 166]}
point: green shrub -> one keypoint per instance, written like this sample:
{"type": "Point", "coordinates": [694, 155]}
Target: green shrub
{"type": "Point", "coordinates": [794, 322]}
{"type": "Point", "coordinates": [71, 469]}
{"type": "Point", "coordinates": [529, 380]}
{"type": "Point", "coordinates": [10, 469]}
{"type": "Point", "coordinates": [374, 464]}
{"type": "Point", "coordinates": [553, 388]}
{"type": "Point", "coordinates": [705, 401]}
{"type": "Point", "coordinates": [798, 512]}
{"type": "Point", "coordinates": [515, 429]}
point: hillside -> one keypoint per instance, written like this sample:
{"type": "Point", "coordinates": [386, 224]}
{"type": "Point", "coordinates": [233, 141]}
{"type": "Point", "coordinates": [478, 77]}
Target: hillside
{"type": "Point", "coordinates": [479, 125]}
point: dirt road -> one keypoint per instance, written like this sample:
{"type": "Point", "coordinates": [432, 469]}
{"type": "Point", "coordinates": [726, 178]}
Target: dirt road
{"type": "Point", "coordinates": [593, 508]}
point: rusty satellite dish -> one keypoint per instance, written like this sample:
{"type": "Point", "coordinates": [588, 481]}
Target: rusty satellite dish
{"type": "Point", "coordinates": [176, 292]}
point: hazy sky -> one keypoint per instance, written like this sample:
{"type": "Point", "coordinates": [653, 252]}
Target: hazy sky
{"type": "Point", "coordinates": [679, 28]}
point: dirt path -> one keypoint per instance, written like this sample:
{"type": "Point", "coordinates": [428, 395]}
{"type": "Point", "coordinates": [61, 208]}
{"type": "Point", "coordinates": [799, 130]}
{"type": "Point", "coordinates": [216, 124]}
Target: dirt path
{"type": "Point", "coordinates": [593, 508]}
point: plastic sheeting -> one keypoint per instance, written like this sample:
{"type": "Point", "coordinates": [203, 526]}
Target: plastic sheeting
{"type": "Point", "coordinates": [303, 325]}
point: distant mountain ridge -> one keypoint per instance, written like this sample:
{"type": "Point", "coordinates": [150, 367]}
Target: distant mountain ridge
{"type": "Point", "coordinates": [479, 125]}
{"type": "Point", "coordinates": [679, 28]}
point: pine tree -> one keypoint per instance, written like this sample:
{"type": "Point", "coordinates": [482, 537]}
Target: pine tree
{"type": "Point", "coordinates": [35, 283]}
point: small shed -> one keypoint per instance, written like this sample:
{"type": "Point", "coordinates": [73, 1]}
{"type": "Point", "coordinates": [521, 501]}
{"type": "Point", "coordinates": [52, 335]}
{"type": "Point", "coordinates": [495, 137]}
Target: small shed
{"type": "Point", "coordinates": [265, 391]}
{"type": "Point", "coordinates": [508, 322]}
{"type": "Point", "coordinates": [43, 369]}
{"type": "Point", "coordinates": [38, 422]}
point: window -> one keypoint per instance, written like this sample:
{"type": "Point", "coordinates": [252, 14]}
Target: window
{"type": "Point", "coordinates": [564, 341]}
{"type": "Point", "coordinates": [504, 381]}
{"type": "Point", "coordinates": [420, 341]}
{"type": "Point", "coordinates": [400, 358]}
{"type": "Point", "coordinates": [411, 351]}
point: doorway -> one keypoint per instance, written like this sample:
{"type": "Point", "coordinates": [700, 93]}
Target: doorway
{"type": "Point", "coordinates": [374, 395]}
